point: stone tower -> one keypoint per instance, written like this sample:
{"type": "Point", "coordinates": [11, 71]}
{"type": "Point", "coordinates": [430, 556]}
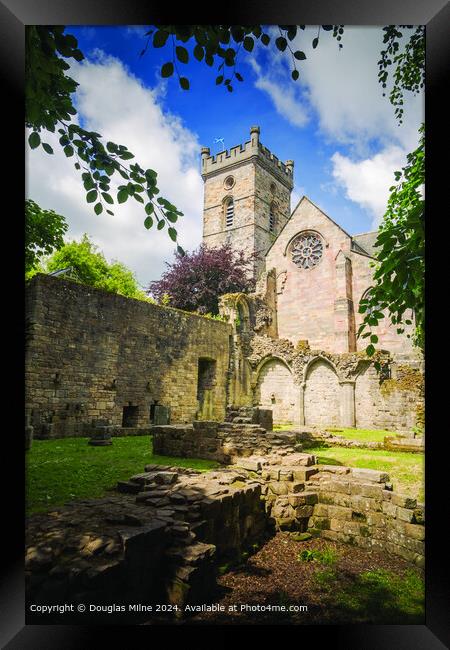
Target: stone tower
{"type": "Point", "coordinates": [247, 197]}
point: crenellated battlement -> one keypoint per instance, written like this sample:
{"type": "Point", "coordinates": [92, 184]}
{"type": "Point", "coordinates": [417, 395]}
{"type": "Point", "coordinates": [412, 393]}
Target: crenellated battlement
{"type": "Point", "coordinates": [242, 152]}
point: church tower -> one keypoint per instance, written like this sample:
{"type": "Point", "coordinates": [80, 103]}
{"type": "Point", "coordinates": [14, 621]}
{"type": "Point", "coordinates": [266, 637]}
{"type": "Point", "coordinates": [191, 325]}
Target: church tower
{"type": "Point", "coordinates": [247, 197]}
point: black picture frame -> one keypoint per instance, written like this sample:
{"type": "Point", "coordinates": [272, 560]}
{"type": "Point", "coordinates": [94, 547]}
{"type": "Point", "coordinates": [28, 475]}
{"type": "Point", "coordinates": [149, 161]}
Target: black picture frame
{"type": "Point", "coordinates": [14, 15]}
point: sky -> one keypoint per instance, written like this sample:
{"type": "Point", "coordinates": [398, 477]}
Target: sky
{"type": "Point", "coordinates": [333, 122]}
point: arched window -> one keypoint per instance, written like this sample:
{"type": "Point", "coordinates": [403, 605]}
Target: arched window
{"type": "Point", "coordinates": [229, 212]}
{"type": "Point", "coordinates": [272, 218]}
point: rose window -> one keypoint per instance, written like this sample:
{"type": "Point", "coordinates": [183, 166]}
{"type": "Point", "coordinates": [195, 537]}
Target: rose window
{"type": "Point", "coordinates": [307, 251]}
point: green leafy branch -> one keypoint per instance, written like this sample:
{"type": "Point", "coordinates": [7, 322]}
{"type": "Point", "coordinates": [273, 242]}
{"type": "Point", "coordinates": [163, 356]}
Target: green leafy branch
{"type": "Point", "coordinates": [219, 46]}
{"type": "Point", "coordinates": [97, 162]}
{"type": "Point", "coordinates": [409, 71]}
{"type": "Point", "coordinates": [399, 278]}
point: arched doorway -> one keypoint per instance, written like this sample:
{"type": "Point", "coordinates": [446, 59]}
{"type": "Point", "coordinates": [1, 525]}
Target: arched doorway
{"type": "Point", "coordinates": [322, 399]}
{"type": "Point", "coordinates": [275, 389]}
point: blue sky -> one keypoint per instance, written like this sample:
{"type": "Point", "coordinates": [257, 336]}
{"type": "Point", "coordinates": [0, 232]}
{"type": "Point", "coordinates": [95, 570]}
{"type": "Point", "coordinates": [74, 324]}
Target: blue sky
{"type": "Point", "coordinates": [333, 122]}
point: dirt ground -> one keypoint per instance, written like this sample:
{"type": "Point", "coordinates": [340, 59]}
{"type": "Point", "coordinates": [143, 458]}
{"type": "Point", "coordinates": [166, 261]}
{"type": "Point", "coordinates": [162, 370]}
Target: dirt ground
{"type": "Point", "coordinates": [275, 576]}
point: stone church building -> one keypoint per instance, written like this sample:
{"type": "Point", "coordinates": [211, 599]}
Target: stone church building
{"type": "Point", "coordinates": [290, 346]}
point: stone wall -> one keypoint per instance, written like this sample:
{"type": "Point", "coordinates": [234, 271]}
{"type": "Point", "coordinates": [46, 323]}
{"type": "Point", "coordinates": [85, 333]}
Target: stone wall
{"type": "Point", "coordinates": [90, 354]}
{"type": "Point", "coordinates": [223, 442]}
{"type": "Point", "coordinates": [352, 505]}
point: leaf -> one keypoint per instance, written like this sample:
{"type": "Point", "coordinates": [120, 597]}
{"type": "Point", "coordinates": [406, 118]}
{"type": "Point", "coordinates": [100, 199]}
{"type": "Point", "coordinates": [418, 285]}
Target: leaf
{"type": "Point", "coordinates": [149, 208]}
{"type": "Point", "coordinates": [98, 208]}
{"type": "Point", "coordinates": [126, 155]}
{"type": "Point", "coordinates": [199, 52]}
{"type": "Point", "coordinates": [91, 196]}
{"type": "Point", "coordinates": [160, 37]}
{"type": "Point", "coordinates": [370, 350]}
{"type": "Point", "coordinates": [182, 54]}
{"type": "Point", "coordinates": [219, 80]}
{"type": "Point", "coordinates": [161, 224]}
{"type": "Point", "coordinates": [239, 77]}
{"type": "Point", "coordinates": [68, 150]}
{"type": "Point", "coordinates": [148, 223]}
{"type": "Point", "coordinates": [180, 251]}
{"type": "Point", "coordinates": [108, 198]}
{"type": "Point", "coordinates": [248, 43]}
{"type": "Point", "coordinates": [34, 140]}
{"type": "Point", "coordinates": [299, 55]}
{"type": "Point", "coordinates": [374, 338]}
{"type": "Point", "coordinates": [173, 234]}
{"type": "Point", "coordinates": [265, 39]}
{"type": "Point", "coordinates": [47, 147]}
{"type": "Point", "coordinates": [171, 216]}
{"type": "Point", "coordinates": [295, 74]}
{"type": "Point", "coordinates": [167, 70]}
{"type": "Point", "coordinates": [184, 83]}
{"type": "Point", "coordinates": [281, 43]}
{"type": "Point", "coordinates": [122, 195]}
{"type": "Point", "coordinates": [315, 43]}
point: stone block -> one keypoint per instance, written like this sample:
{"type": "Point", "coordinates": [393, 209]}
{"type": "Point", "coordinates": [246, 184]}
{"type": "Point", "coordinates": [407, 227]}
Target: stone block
{"type": "Point", "coordinates": [339, 512]}
{"type": "Point", "coordinates": [404, 514]}
{"type": "Point", "coordinates": [343, 526]}
{"type": "Point", "coordinates": [278, 487]}
{"type": "Point", "coordinates": [296, 486]}
{"type": "Point", "coordinates": [367, 490]}
{"type": "Point", "coordinates": [364, 504]}
{"type": "Point", "coordinates": [335, 469]}
{"type": "Point", "coordinates": [303, 474]}
{"type": "Point", "coordinates": [403, 501]}
{"type": "Point", "coordinates": [369, 475]}
{"type": "Point", "coordinates": [389, 509]}
{"type": "Point", "coordinates": [303, 511]}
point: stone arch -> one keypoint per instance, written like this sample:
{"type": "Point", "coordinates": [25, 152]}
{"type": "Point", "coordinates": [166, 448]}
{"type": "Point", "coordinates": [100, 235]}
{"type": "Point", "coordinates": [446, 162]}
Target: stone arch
{"type": "Point", "coordinates": [275, 389]}
{"type": "Point", "coordinates": [322, 398]}
{"type": "Point", "coordinates": [242, 314]}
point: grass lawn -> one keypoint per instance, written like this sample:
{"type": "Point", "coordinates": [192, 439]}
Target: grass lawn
{"type": "Point", "coordinates": [406, 470]}
{"type": "Point", "coordinates": [363, 435]}
{"type": "Point", "coordinates": [63, 470]}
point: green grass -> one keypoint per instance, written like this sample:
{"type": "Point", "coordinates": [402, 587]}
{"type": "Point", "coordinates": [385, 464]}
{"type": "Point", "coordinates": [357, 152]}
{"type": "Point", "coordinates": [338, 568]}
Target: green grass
{"type": "Point", "coordinates": [406, 470]}
{"type": "Point", "coordinates": [326, 556]}
{"type": "Point", "coordinates": [363, 435]}
{"type": "Point", "coordinates": [64, 470]}
{"type": "Point", "coordinates": [378, 596]}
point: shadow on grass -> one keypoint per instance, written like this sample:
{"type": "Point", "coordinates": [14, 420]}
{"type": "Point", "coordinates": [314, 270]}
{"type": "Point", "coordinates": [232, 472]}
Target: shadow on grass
{"type": "Point", "coordinates": [378, 596]}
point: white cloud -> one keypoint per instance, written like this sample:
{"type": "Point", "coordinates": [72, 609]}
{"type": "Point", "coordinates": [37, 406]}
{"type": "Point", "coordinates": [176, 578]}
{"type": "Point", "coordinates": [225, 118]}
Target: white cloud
{"type": "Point", "coordinates": [367, 181]}
{"type": "Point", "coordinates": [113, 102]}
{"type": "Point", "coordinates": [341, 86]}
{"type": "Point", "coordinates": [285, 98]}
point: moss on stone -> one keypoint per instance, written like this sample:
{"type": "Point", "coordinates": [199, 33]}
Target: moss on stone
{"type": "Point", "coordinates": [407, 379]}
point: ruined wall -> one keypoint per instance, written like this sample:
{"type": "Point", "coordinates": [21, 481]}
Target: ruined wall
{"type": "Point", "coordinates": [329, 390]}
{"type": "Point", "coordinates": [91, 353]}
{"type": "Point", "coordinates": [395, 403]}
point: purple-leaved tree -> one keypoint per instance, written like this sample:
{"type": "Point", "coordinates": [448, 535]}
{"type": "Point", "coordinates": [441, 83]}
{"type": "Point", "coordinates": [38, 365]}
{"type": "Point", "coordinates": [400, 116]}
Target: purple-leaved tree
{"type": "Point", "coordinates": [194, 281]}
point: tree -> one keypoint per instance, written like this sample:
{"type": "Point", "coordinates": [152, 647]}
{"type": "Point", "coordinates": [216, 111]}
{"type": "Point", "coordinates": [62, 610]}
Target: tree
{"type": "Point", "coordinates": [44, 231]}
{"type": "Point", "coordinates": [91, 268]}
{"type": "Point", "coordinates": [195, 280]}
{"type": "Point", "coordinates": [400, 269]}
